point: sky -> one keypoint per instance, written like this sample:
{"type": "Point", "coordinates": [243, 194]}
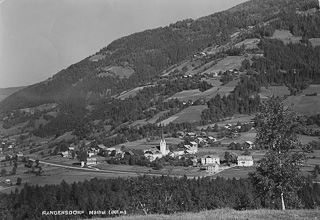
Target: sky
{"type": "Point", "coordinates": [38, 38]}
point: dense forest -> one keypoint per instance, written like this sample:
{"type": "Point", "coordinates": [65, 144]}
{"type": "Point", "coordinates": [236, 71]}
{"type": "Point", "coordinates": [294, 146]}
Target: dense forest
{"type": "Point", "coordinates": [143, 195]}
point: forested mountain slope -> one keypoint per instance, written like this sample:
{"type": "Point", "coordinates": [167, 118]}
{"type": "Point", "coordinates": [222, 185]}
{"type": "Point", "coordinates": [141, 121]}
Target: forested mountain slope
{"type": "Point", "coordinates": [86, 89]}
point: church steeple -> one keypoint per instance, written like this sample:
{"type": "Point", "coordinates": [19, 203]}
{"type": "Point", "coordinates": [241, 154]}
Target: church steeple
{"type": "Point", "coordinates": [163, 144]}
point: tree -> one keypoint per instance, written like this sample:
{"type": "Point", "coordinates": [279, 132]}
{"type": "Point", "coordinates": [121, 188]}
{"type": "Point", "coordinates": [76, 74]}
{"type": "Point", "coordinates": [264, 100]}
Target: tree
{"type": "Point", "coordinates": [19, 180]}
{"type": "Point", "coordinates": [278, 174]}
{"type": "Point", "coordinates": [3, 172]}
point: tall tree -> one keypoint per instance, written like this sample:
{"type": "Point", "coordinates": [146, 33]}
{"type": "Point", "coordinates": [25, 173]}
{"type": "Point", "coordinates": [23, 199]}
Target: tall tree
{"type": "Point", "coordinates": [278, 175]}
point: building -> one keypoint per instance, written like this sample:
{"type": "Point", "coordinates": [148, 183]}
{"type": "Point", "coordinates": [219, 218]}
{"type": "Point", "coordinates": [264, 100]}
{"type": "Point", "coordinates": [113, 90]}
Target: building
{"type": "Point", "coordinates": [245, 161]}
{"type": "Point", "coordinates": [210, 159]}
{"type": "Point", "coordinates": [153, 154]}
{"type": "Point", "coordinates": [212, 168]}
{"type": "Point", "coordinates": [159, 151]}
{"type": "Point", "coordinates": [90, 161]}
{"type": "Point", "coordinates": [191, 149]}
{"type": "Point", "coordinates": [249, 144]}
{"type": "Point", "coordinates": [65, 154]}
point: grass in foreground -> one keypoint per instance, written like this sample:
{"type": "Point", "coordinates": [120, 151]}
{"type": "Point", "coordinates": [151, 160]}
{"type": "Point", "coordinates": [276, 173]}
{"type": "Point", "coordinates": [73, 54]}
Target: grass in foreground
{"type": "Point", "coordinates": [227, 214]}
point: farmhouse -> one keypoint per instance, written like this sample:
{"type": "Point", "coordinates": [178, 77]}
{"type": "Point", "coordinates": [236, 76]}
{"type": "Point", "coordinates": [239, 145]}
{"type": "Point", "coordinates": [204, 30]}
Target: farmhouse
{"type": "Point", "coordinates": [210, 159]}
{"type": "Point", "coordinates": [153, 154]}
{"type": "Point", "coordinates": [245, 161]}
{"type": "Point", "coordinates": [90, 161]}
{"type": "Point", "coordinates": [65, 154]}
{"type": "Point", "coordinates": [249, 144]}
{"type": "Point", "coordinates": [212, 168]}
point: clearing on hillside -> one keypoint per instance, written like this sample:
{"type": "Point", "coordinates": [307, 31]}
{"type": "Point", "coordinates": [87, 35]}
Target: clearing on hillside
{"type": "Point", "coordinates": [131, 93]}
{"type": "Point", "coordinates": [314, 41]}
{"type": "Point", "coordinates": [286, 36]}
{"type": "Point", "coordinates": [304, 105]}
{"type": "Point", "coordinates": [249, 43]}
{"type": "Point", "coordinates": [122, 72]}
{"type": "Point", "coordinates": [191, 114]}
{"type": "Point", "coordinates": [228, 63]}
{"type": "Point", "coordinates": [274, 90]}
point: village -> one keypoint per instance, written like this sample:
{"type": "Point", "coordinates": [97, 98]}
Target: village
{"type": "Point", "coordinates": [197, 151]}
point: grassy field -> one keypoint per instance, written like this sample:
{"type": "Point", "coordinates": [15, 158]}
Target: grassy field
{"type": "Point", "coordinates": [236, 172]}
{"type": "Point", "coordinates": [315, 41]}
{"type": "Point", "coordinates": [274, 90]}
{"type": "Point", "coordinates": [191, 114]}
{"type": "Point", "coordinates": [286, 36]}
{"type": "Point", "coordinates": [228, 63]}
{"type": "Point", "coordinates": [249, 43]}
{"type": "Point", "coordinates": [230, 214]}
{"type": "Point", "coordinates": [312, 89]}
{"type": "Point", "coordinates": [131, 93]}
{"type": "Point", "coordinates": [305, 105]}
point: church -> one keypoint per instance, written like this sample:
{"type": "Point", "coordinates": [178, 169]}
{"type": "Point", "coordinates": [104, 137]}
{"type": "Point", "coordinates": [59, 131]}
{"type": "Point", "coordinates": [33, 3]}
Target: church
{"type": "Point", "coordinates": [158, 151]}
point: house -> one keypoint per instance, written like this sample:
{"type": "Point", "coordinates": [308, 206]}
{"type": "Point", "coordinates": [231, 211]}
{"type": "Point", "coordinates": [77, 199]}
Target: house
{"type": "Point", "coordinates": [212, 168]}
{"type": "Point", "coordinates": [194, 144]}
{"type": "Point", "coordinates": [178, 152]}
{"type": "Point", "coordinates": [101, 147]}
{"type": "Point", "coordinates": [65, 154]}
{"type": "Point", "coordinates": [249, 144]}
{"type": "Point", "coordinates": [210, 159]}
{"type": "Point", "coordinates": [152, 154]}
{"type": "Point", "coordinates": [245, 161]}
{"type": "Point", "coordinates": [191, 149]}
{"type": "Point", "coordinates": [19, 155]}
{"type": "Point", "coordinates": [89, 161]}
{"type": "Point", "coordinates": [212, 139]}
{"type": "Point", "coordinates": [191, 134]}
{"type": "Point", "coordinates": [7, 181]}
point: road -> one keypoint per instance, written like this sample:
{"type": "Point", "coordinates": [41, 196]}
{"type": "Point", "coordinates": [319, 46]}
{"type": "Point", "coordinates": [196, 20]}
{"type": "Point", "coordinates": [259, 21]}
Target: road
{"type": "Point", "coordinates": [107, 171]}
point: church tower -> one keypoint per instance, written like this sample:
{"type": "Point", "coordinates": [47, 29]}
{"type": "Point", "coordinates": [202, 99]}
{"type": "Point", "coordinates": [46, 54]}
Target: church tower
{"type": "Point", "coordinates": [163, 144]}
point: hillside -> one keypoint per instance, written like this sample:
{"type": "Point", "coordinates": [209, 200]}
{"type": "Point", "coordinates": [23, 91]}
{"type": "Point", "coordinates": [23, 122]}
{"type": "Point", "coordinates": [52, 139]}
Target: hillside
{"type": "Point", "coordinates": [228, 214]}
{"type": "Point", "coordinates": [5, 92]}
{"type": "Point", "coordinates": [227, 54]}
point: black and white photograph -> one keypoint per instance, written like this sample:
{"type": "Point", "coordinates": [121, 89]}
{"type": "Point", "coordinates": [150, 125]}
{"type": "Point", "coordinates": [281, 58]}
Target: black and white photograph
{"type": "Point", "coordinates": [159, 109]}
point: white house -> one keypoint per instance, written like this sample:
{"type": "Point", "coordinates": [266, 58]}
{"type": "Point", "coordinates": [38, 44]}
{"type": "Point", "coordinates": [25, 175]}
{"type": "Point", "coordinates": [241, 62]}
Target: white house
{"type": "Point", "coordinates": [210, 159]}
{"type": "Point", "coordinates": [90, 161]}
{"type": "Point", "coordinates": [212, 168]}
{"type": "Point", "coordinates": [65, 154]}
{"type": "Point", "coordinates": [245, 161]}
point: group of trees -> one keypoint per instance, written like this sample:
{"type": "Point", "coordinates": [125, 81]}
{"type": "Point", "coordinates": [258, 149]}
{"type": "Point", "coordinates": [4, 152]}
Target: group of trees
{"type": "Point", "coordinates": [242, 100]}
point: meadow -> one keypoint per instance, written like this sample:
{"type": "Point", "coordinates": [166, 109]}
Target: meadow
{"type": "Point", "coordinates": [286, 36]}
{"type": "Point", "coordinates": [230, 214]}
